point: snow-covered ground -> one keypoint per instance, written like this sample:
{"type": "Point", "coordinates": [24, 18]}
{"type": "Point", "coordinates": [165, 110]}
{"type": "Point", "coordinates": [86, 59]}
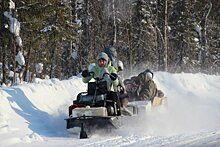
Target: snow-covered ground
{"type": "Point", "coordinates": [33, 115]}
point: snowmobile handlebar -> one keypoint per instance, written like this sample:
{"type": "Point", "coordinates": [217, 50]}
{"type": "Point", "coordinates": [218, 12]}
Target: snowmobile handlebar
{"type": "Point", "coordinates": [113, 76]}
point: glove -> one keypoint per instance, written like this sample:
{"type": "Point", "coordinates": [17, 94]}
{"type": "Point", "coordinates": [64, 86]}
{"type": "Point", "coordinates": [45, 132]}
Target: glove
{"type": "Point", "coordinates": [85, 73]}
{"type": "Point", "coordinates": [113, 76]}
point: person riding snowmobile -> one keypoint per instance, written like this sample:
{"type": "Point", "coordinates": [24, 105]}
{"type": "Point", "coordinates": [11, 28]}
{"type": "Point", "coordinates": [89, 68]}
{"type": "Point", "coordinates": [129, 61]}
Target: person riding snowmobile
{"type": "Point", "coordinates": [102, 66]}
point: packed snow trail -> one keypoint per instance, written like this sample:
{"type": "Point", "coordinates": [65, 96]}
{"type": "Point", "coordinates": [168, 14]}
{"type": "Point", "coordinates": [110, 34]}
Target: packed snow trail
{"type": "Point", "coordinates": [113, 140]}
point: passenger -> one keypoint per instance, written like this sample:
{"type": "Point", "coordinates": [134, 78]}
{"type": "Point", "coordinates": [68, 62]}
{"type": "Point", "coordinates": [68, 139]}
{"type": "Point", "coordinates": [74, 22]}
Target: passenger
{"type": "Point", "coordinates": [148, 89]}
{"type": "Point", "coordinates": [120, 78]}
{"type": "Point", "coordinates": [131, 89]}
{"type": "Point", "coordinates": [118, 65]}
{"type": "Point", "coordinates": [112, 54]}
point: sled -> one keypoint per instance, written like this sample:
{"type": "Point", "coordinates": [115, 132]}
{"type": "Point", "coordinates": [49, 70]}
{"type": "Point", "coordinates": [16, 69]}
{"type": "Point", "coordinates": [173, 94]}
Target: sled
{"type": "Point", "coordinates": [158, 101]}
{"type": "Point", "coordinates": [142, 107]}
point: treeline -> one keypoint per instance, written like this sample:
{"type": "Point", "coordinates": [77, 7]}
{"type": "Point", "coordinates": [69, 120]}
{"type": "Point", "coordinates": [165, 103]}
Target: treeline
{"type": "Point", "coordinates": [65, 35]}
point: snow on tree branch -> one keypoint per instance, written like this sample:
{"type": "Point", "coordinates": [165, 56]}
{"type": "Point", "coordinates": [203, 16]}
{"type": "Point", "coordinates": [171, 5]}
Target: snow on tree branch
{"type": "Point", "coordinates": [39, 67]}
{"type": "Point", "coordinates": [20, 58]}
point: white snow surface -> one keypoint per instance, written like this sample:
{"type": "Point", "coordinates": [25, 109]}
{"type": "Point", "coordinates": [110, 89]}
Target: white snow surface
{"type": "Point", "coordinates": [33, 115]}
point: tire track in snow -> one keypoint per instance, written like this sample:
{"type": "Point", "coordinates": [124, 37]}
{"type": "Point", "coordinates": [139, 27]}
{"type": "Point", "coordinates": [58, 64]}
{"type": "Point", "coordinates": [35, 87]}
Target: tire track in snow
{"type": "Point", "coordinates": [98, 141]}
{"type": "Point", "coordinates": [199, 139]}
{"type": "Point", "coordinates": [113, 142]}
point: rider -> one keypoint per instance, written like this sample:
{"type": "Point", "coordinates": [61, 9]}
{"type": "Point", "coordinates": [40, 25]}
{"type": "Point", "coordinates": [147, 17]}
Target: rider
{"type": "Point", "coordinates": [102, 66]}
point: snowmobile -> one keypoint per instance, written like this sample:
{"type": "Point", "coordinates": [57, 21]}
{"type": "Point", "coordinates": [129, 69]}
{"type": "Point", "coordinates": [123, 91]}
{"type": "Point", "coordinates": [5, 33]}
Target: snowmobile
{"type": "Point", "coordinates": [96, 108]}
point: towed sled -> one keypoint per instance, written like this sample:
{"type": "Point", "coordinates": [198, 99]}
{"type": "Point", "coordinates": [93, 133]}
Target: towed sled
{"type": "Point", "coordinates": [94, 109]}
{"type": "Point", "coordinates": [143, 106]}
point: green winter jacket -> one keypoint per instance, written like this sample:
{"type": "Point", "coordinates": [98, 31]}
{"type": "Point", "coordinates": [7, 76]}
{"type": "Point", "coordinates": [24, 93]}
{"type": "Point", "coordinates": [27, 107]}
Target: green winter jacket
{"type": "Point", "coordinates": [98, 72]}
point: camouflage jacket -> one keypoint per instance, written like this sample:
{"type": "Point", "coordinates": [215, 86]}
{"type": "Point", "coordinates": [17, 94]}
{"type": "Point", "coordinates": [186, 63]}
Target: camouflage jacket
{"type": "Point", "coordinates": [148, 90]}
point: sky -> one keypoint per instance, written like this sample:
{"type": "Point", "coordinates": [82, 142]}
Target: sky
{"type": "Point", "coordinates": [33, 114]}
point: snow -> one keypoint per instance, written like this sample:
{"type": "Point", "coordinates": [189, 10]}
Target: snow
{"type": "Point", "coordinates": [11, 5]}
{"type": "Point", "coordinates": [74, 55]}
{"type": "Point", "coordinates": [46, 29]}
{"type": "Point", "coordinates": [18, 41]}
{"type": "Point", "coordinates": [33, 115]}
{"type": "Point", "coordinates": [198, 29]}
{"type": "Point", "coordinates": [20, 58]}
{"type": "Point", "coordinates": [39, 67]}
{"type": "Point", "coordinates": [14, 24]}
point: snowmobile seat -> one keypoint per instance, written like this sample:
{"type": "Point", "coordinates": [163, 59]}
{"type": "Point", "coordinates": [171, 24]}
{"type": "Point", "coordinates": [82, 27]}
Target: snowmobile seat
{"type": "Point", "coordinates": [83, 98]}
{"type": "Point", "coordinates": [88, 100]}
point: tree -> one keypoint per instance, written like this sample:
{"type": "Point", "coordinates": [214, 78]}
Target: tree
{"type": "Point", "coordinates": [64, 36]}
{"type": "Point", "coordinates": [182, 30]}
{"type": "Point", "coordinates": [50, 29]}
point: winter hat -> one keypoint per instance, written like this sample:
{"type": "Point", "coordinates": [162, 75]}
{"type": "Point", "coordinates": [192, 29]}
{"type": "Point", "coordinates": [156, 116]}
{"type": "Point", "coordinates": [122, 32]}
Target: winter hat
{"type": "Point", "coordinates": [102, 55]}
{"type": "Point", "coordinates": [148, 72]}
{"type": "Point", "coordinates": [127, 81]}
{"type": "Point", "coordinates": [145, 76]}
{"type": "Point", "coordinates": [113, 51]}
{"type": "Point", "coordinates": [149, 75]}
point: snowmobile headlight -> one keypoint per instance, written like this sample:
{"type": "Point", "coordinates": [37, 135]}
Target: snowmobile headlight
{"type": "Point", "coordinates": [110, 110]}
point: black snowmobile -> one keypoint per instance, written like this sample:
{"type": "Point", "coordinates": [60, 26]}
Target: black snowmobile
{"type": "Point", "coordinates": [96, 108]}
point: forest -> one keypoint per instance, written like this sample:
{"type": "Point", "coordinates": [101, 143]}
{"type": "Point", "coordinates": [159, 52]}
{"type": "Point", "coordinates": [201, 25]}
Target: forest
{"type": "Point", "coordinates": [59, 38]}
